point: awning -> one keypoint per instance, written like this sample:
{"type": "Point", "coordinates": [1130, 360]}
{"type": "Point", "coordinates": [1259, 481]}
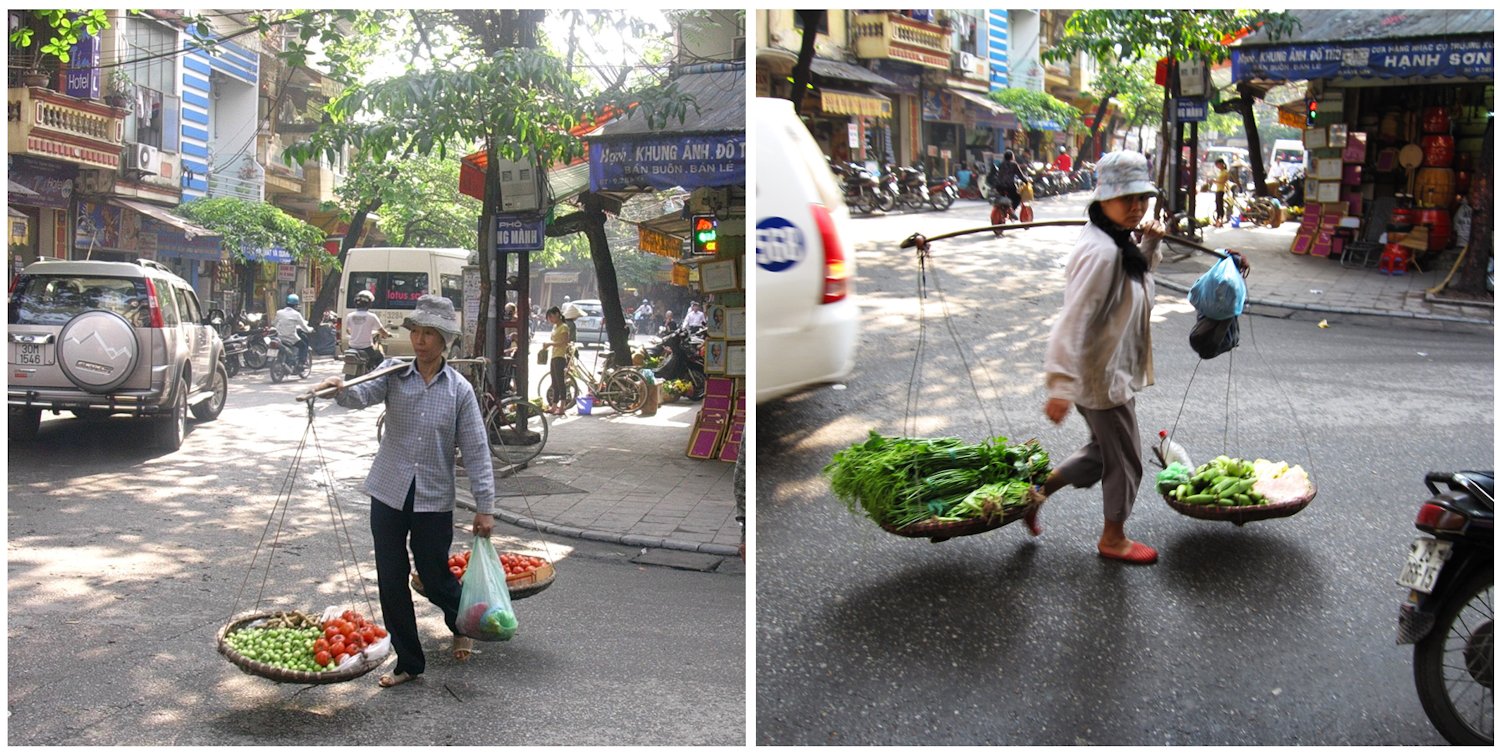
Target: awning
{"type": "Point", "coordinates": [846, 72]}
{"type": "Point", "coordinates": [859, 104]}
{"type": "Point", "coordinates": [993, 113]}
{"type": "Point", "coordinates": [160, 214]}
{"type": "Point", "coordinates": [1374, 44]}
{"type": "Point", "coordinates": [13, 188]}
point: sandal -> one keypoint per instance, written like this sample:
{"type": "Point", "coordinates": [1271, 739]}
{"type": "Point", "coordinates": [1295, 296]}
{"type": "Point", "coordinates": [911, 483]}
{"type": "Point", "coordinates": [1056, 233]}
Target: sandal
{"type": "Point", "coordinates": [1139, 554]}
{"type": "Point", "coordinates": [463, 648]}
{"type": "Point", "coordinates": [398, 678]}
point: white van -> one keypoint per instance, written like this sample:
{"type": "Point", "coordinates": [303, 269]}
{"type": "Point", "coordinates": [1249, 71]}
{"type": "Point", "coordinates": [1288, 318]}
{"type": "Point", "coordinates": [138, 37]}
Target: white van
{"type": "Point", "coordinates": [398, 277]}
{"type": "Point", "coordinates": [806, 316]}
{"type": "Point", "coordinates": [1287, 155]}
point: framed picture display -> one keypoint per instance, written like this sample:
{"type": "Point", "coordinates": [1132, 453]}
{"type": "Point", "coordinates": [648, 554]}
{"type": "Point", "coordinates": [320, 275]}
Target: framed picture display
{"type": "Point", "coordinates": [716, 320]}
{"type": "Point", "coordinates": [736, 324]}
{"type": "Point", "coordinates": [734, 363]}
{"type": "Point", "coordinates": [718, 276]}
{"type": "Point", "coordinates": [715, 356]}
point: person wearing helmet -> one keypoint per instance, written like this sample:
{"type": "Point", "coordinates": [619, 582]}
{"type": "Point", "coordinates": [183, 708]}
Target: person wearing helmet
{"type": "Point", "coordinates": [1063, 161]}
{"type": "Point", "coordinates": [364, 328]}
{"type": "Point", "coordinates": [291, 327]}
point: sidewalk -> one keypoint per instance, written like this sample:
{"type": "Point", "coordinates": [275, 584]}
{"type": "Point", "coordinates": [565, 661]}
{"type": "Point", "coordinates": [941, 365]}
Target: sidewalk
{"type": "Point", "coordinates": [622, 479]}
{"type": "Point", "coordinates": [1282, 280]}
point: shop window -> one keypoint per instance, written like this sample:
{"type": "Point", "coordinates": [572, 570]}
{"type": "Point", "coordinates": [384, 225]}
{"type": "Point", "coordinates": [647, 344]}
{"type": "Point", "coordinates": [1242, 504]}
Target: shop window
{"type": "Point", "coordinates": [152, 67]}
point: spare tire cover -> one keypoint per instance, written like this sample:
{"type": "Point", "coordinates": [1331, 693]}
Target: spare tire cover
{"type": "Point", "coordinates": [97, 350]}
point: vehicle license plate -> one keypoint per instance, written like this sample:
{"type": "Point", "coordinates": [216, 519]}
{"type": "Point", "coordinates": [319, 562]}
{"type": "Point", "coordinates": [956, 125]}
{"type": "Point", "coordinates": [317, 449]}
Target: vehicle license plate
{"type": "Point", "coordinates": [29, 354]}
{"type": "Point", "coordinates": [1424, 563]}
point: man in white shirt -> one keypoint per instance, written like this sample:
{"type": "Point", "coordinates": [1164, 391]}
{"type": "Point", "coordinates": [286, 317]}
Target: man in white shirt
{"type": "Point", "coordinates": [292, 327]}
{"type": "Point", "coordinates": [363, 327]}
{"type": "Point", "coordinates": [694, 317]}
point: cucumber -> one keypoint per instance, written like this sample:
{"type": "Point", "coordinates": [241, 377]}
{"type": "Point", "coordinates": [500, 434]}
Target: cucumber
{"type": "Point", "coordinates": [1199, 499]}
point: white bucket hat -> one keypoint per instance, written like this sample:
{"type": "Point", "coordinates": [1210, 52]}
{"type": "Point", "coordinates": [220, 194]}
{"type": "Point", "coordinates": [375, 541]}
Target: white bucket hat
{"type": "Point", "coordinates": [436, 312]}
{"type": "Point", "coordinates": [1122, 173]}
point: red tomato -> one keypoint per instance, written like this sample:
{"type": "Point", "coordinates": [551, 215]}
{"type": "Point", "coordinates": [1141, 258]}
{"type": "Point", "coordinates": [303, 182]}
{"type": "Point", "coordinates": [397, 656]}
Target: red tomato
{"type": "Point", "coordinates": [338, 657]}
{"type": "Point", "coordinates": [457, 571]}
{"type": "Point", "coordinates": [322, 658]}
{"type": "Point", "coordinates": [336, 641]}
{"type": "Point", "coordinates": [320, 644]}
{"type": "Point", "coordinates": [379, 632]}
{"type": "Point", "coordinates": [350, 614]}
{"type": "Point", "coordinates": [330, 631]}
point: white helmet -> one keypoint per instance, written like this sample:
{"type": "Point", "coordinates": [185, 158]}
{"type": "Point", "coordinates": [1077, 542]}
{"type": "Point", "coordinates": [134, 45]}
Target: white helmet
{"type": "Point", "coordinates": [364, 296]}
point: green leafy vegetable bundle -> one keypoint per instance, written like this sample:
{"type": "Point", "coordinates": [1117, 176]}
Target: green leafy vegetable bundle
{"type": "Point", "coordinates": [898, 481]}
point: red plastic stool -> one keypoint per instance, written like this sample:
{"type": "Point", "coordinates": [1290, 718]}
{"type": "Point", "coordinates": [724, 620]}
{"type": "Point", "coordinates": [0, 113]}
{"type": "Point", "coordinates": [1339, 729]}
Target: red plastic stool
{"type": "Point", "coordinates": [1394, 260]}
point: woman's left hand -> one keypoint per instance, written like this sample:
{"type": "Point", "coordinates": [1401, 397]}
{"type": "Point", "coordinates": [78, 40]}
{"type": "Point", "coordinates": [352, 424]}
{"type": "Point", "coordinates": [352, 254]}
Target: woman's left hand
{"type": "Point", "coordinates": [484, 525]}
{"type": "Point", "coordinates": [1152, 230]}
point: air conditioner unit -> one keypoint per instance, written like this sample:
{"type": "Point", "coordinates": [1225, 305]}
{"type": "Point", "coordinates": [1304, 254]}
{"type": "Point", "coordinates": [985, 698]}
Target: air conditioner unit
{"type": "Point", "coordinates": [972, 65]}
{"type": "Point", "coordinates": [143, 158]}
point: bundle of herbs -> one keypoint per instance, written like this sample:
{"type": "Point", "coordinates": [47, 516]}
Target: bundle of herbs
{"type": "Point", "coordinates": [898, 481]}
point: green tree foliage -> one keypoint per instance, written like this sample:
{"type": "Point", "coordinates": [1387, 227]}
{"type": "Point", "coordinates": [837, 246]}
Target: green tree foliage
{"type": "Point", "coordinates": [1127, 35]}
{"type": "Point", "coordinates": [250, 225]}
{"type": "Point", "coordinates": [1036, 106]}
{"type": "Point", "coordinates": [420, 201]}
{"type": "Point", "coordinates": [67, 26]}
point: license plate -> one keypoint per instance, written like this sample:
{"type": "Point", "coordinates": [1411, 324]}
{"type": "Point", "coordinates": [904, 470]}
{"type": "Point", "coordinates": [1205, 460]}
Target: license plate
{"type": "Point", "coordinates": [1423, 564]}
{"type": "Point", "coordinates": [30, 354]}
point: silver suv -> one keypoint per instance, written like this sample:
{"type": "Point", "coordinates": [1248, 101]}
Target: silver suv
{"type": "Point", "coordinates": [101, 337]}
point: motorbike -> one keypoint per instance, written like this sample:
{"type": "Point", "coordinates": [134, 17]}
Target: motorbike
{"type": "Point", "coordinates": [257, 340]}
{"type": "Point", "coordinates": [681, 354]}
{"type": "Point", "coordinates": [862, 189]}
{"type": "Point", "coordinates": [360, 361]}
{"type": "Point", "coordinates": [283, 357]}
{"type": "Point", "coordinates": [235, 348]}
{"type": "Point", "coordinates": [910, 185]}
{"type": "Point", "coordinates": [1449, 609]}
{"type": "Point", "coordinates": [1290, 188]}
{"type": "Point", "coordinates": [942, 192]}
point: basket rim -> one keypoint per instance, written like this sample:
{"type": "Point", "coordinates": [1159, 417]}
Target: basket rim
{"type": "Point", "coordinates": [348, 671]}
{"type": "Point", "coordinates": [538, 584]}
{"type": "Point", "coordinates": [939, 530]}
{"type": "Point", "coordinates": [1245, 514]}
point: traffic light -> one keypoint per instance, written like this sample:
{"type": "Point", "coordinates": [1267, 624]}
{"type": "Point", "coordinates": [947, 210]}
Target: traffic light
{"type": "Point", "coordinates": [1312, 112]}
{"type": "Point", "coordinates": [705, 234]}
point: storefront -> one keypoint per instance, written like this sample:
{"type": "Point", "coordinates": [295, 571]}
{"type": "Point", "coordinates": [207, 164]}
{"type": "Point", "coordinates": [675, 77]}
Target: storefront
{"type": "Point", "coordinates": [40, 190]}
{"type": "Point", "coordinates": [1402, 105]}
{"type": "Point", "coordinates": [845, 110]}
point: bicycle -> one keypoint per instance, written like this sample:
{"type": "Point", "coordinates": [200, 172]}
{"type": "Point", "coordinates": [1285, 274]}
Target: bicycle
{"type": "Point", "coordinates": [516, 428]}
{"type": "Point", "coordinates": [622, 388]}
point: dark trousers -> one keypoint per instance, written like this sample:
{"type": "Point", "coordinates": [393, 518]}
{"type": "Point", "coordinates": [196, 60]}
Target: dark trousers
{"type": "Point", "coordinates": [431, 535]}
{"type": "Point", "coordinates": [559, 390]}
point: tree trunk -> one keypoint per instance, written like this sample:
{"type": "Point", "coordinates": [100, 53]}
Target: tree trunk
{"type": "Point", "coordinates": [329, 292]}
{"type": "Point", "coordinates": [802, 72]}
{"type": "Point", "coordinates": [1471, 276]}
{"type": "Point", "coordinates": [1252, 136]}
{"type": "Point", "coordinates": [1087, 153]}
{"type": "Point", "coordinates": [609, 282]}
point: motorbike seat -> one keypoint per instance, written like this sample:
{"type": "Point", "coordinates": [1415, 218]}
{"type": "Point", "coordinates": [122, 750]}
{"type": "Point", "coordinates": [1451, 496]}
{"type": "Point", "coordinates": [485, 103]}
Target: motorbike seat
{"type": "Point", "coordinates": [1479, 483]}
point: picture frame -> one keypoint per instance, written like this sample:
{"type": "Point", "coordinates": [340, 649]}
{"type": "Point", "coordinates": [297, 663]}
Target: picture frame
{"type": "Point", "coordinates": [718, 276]}
{"type": "Point", "coordinates": [736, 323]}
{"type": "Point", "coordinates": [715, 319]}
{"type": "Point", "coordinates": [1315, 138]}
{"type": "Point", "coordinates": [715, 356]}
{"type": "Point", "coordinates": [734, 360]}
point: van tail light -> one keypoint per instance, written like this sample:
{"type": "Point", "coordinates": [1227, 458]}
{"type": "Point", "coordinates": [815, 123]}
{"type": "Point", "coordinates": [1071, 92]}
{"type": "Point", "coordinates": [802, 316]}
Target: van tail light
{"type": "Point", "coordinates": [835, 270]}
{"type": "Point", "coordinates": [1434, 518]}
{"type": "Point", "coordinates": [13, 281]}
{"type": "Point", "coordinates": [156, 320]}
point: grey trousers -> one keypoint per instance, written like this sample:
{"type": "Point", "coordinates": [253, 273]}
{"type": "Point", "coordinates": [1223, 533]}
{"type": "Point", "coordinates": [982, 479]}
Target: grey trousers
{"type": "Point", "coordinates": [1112, 455]}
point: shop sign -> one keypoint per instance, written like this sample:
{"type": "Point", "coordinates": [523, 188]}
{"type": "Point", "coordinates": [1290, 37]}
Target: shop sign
{"type": "Point", "coordinates": [940, 106]}
{"type": "Point", "coordinates": [659, 243]}
{"type": "Point", "coordinates": [662, 162]}
{"type": "Point", "coordinates": [1449, 58]}
{"type": "Point", "coordinates": [559, 278]}
{"type": "Point", "coordinates": [274, 254]}
{"type": "Point", "coordinates": [855, 104]}
{"type": "Point", "coordinates": [82, 76]}
{"type": "Point", "coordinates": [286, 273]}
{"type": "Point", "coordinates": [1191, 110]}
{"type": "Point", "coordinates": [519, 232]}
{"type": "Point", "coordinates": [1295, 120]}
{"type": "Point", "coordinates": [52, 181]}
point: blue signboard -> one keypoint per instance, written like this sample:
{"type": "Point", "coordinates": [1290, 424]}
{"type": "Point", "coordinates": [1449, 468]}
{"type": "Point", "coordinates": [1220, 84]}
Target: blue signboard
{"type": "Point", "coordinates": [274, 254]}
{"type": "Point", "coordinates": [82, 76]}
{"type": "Point", "coordinates": [661, 162]}
{"type": "Point", "coordinates": [1460, 58]}
{"type": "Point", "coordinates": [1191, 110]}
{"type": "Point", "coordinates": [519, 232]}
{"type": "Point", "coordinates": [779, 244]}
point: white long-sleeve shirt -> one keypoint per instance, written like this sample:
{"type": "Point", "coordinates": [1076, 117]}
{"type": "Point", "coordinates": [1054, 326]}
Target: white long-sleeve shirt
{"type": "Point", "coordinates": [1099, 353]}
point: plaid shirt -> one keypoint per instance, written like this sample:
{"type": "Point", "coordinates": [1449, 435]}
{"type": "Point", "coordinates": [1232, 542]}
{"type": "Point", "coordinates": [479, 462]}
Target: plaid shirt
{"type": "Point", "coordinates": [423, 422]}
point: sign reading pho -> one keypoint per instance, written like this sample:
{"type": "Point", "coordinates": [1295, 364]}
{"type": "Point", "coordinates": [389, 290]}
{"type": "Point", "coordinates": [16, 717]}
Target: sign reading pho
{"type": "Point", "coordinates": [662, 162]}
{"type": "Point", "coordinates": [1191, 110]}
{"type": "Point", "coordinates": [519, 232]}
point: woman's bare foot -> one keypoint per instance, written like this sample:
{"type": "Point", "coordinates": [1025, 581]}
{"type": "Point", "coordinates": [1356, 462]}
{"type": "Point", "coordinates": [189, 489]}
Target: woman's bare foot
{"type": "Point", "coordinates": [397, 678]}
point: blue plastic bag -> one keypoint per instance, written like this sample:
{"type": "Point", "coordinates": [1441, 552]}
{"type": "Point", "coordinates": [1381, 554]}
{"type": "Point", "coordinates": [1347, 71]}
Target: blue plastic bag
{"type": "Point", "coordinates": [1220, 292]}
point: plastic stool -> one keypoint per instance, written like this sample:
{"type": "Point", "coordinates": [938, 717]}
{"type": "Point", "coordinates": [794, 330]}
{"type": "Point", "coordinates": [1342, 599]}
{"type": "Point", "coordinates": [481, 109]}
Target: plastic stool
{"type": "Point", "coordinates": [1394, 260]}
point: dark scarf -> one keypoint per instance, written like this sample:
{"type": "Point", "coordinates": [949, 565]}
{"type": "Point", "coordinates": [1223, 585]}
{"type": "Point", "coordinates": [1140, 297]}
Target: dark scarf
{"type": "Point", "coordinates": [1130, 254]}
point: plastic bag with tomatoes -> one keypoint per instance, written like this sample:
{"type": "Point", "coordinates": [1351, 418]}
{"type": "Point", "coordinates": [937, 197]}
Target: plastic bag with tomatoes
{"type": "Point", "coordinates": [484, 609]}
{"type": "Point", "coordinates": [349, 636]}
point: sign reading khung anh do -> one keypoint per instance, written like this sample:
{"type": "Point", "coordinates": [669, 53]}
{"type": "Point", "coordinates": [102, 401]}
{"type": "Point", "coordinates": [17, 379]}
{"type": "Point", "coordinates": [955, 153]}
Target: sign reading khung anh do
{"type": "Point", "coordinates": [661, 162]}
{"type": "Point", "coordinates": [1462, 58]}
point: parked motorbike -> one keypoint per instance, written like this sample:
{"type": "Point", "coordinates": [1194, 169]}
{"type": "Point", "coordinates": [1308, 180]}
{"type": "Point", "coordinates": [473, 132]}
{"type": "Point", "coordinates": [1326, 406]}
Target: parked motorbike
{"type": "Point", "coordinates": [283, 357]}
{"type": "Point", "coordinates": [681, 354]}
{"type": "Point", "coordinates": [942, 192]}
{"type": "Point", "coordinates": [235, 348]}
{"type": "Point", "coordinates": [862, 189]}
{"type": "Point", "coordinates": [1290, 187]}
{"type": "Point", "coordinates": [257, 340]}
{"type": "Point", "coordinates": [360, 361]}
{"type": "Point", "coordinates": [1449, 611]}
{"type": "Point", "coordinates": [909, 184]}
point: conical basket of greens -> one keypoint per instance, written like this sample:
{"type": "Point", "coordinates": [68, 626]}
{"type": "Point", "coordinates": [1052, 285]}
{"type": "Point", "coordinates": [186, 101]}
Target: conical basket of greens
{"type": "Point", "coordinates": [938, 488]}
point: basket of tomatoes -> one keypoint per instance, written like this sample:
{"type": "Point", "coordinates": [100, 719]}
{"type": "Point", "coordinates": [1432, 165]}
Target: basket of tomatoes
{"type": "Point", "coordinates": [292, 647]}
{"type": "Point", "coordinates": [524, 575]}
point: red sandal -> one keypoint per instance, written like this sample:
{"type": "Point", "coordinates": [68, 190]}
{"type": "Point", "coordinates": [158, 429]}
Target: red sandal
{"type": "Point", "coordinates": [1139, 554]}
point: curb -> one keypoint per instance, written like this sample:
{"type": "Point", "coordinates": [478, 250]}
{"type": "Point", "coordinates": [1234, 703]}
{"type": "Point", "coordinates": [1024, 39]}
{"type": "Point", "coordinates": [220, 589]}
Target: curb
{"type": "Point", "coordinates": [1295, 307]}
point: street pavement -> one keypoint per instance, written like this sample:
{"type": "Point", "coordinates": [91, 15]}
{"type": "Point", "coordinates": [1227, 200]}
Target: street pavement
{"type": "Point", "coordinates": [623, 479]}
{"type": "Point", "coordinates": [1279, 632]}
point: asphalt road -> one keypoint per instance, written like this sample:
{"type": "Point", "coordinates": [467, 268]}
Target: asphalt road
{"type": "Point", "coordinates": [123, 563]}
{"type": "Point", "coordinates": [1279, 632]}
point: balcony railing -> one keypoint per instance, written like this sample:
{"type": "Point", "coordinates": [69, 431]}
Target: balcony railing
{"type": "Point", "coordinates": [247, 180]}
{"type": "Point", "coordinates": [53, 125]}
{"type": "Point", "coordinates": [893, 36]}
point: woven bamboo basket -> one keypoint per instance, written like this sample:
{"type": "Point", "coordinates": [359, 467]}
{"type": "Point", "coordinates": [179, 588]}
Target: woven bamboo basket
{"type": "Point", "coordinates": [345, 672]}
{"type": "Point", "coordinates": [1241, 515]}
{"type": "Point", "coordinates": [521, 586]}
{"type": "Point", "coordinates": [940, 531]}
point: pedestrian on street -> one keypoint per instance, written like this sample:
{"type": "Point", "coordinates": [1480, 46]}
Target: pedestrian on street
{"type": "Point", "coordinates": [1099, 352]}
{"type": "Point", "coordinates": [561, 344]}
{"type": "Point", "coordinates": [430, 411]}
{"type": "Point", "coordinates": [1220, 186]}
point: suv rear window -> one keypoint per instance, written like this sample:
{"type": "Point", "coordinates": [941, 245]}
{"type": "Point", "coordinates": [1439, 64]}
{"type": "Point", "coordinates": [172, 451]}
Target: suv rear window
{"type": "Point", "coordinates": [54, 299]}
{"type": "Point", "coordinates": [393, 290]}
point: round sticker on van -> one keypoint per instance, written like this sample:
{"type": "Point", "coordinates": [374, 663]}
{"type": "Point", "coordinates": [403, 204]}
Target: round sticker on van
{"type": "Point", "coordinates": [778, 244]}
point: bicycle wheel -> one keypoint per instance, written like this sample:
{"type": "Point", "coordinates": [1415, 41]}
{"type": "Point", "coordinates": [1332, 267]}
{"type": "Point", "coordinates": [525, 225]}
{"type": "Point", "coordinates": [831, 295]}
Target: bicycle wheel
{"type": "Point", "coordinates": [569, 393]}
{"type": "Point", "coordinates": [517, 430]}
{"type": "Point", "coordinates": [625, 391]}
